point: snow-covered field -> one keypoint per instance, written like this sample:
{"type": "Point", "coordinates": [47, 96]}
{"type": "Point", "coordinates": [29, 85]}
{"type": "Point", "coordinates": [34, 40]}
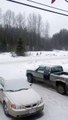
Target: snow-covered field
{"type": "Point", "coordinates": [56, 105]}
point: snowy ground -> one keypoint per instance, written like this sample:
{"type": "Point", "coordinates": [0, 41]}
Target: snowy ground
{"type": "Point", "coordinates": [56, 105]}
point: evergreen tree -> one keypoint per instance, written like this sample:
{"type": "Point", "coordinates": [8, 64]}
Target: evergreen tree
{"type": "Point", "coordinates": [3, 46]}
{"type": "Point", "coordinates": [20, 47]}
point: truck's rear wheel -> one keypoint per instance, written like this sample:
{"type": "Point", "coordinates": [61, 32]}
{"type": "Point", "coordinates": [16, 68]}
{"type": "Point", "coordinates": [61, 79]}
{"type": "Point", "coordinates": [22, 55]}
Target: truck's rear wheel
{"type": "Point", "coordinates": [61, 89]}
{"type": "Point", "coordinates": [30, 78]}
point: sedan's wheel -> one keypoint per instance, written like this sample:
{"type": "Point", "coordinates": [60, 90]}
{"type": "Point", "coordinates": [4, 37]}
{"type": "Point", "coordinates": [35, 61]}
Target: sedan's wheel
{"type": "Point", "coordinates": [30, 78]}
{"type": "Point", "coordinates": [61, 89]}
{"type": "Point", "coordinates": [6, 111]}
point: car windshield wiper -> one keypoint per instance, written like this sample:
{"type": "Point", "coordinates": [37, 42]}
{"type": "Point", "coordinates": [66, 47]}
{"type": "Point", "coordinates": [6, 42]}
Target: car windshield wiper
{"type": "Point", "coordinates": [17, 90]}
{"type": "Point", "coordinates": [22, 89]}
{"type": "Point", "coordinates": [10, 90]}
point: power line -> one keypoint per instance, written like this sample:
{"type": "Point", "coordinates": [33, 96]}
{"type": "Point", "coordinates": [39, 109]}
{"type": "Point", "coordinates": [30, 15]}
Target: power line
{"type": "Point", "coordinates": [66, 0]}
{"type": "Point", "coordinates": [37, 7]}
{"type": "Point", "coordinates": [47, 5]}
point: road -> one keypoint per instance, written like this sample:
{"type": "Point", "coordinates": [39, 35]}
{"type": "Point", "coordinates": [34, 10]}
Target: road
{"type": "Point", "coordinates": [56, 105]}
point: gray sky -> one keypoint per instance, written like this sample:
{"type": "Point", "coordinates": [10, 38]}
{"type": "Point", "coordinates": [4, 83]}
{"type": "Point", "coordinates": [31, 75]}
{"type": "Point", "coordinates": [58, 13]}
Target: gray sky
{"type": "Point", "coordinates": [56, 22]}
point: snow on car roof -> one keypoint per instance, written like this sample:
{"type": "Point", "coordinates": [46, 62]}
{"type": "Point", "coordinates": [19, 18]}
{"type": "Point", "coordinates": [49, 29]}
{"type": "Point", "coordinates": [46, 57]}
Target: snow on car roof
{"type": "Point", "coordinates": [50, 66]}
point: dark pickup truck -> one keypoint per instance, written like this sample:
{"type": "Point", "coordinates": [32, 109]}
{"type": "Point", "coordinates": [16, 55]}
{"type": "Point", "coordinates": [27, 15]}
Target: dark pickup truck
{"type": "Point", "coordinates": [53, 75]}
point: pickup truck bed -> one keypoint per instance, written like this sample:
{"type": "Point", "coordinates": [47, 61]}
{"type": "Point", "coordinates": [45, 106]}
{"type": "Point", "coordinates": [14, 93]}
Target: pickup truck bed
{"type": "Point", "coordinates": [64, 76]}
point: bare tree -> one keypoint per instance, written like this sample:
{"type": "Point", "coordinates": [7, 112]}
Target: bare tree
{"type": "Point", "coordinates": [39, 24]}
{"type": "Point", "coordinates": [46, 30]}
{"type": "Point", "coordinates": [9, 18]}
{"type": "Point", "coordinates": [32, 22]}
{"type": "Point", "coordinates": [32, 28]}
{"type": "Point", "coordinates": [0, 16]}
{"type": "Point", "coordinates": [20, 21]}
{"type": "Point", "coordinates": [39, 29]}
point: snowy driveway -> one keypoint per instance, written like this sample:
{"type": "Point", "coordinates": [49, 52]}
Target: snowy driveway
{"type": "Point", "coordinates": [56, 105]}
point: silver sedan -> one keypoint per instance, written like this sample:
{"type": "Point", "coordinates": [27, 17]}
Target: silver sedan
{"type": "Point", "coordinates": [19, 99]}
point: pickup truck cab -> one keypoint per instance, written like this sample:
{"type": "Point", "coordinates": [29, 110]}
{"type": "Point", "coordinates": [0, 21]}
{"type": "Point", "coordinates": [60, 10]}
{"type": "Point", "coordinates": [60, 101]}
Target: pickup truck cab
{"type": "Point", "coordinates": [53, 75]}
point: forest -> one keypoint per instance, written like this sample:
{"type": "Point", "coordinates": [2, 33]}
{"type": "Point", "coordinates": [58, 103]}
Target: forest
{"type": "Point", "coordinates": [28, 33]}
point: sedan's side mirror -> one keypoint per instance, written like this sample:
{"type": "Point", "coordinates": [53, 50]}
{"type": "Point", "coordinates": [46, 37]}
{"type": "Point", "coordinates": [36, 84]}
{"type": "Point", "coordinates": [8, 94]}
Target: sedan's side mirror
{"type": "Point", "coordinates": [1, 88]}
{"type": "Point", "coordinates": [30, 84]}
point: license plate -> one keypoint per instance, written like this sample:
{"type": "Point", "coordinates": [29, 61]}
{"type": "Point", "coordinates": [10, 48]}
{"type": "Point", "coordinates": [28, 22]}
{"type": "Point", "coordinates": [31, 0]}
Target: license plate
{"type": "Point", "coordinates": [32, 111]}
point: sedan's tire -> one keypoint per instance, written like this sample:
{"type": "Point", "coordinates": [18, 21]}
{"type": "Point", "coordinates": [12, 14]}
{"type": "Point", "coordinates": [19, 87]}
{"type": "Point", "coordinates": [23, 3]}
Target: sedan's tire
{"type": "Point", "coordinates": [61, 89]}
{"type": "Point", "coordinates": [5, 108]}
{"type": "Point", "coordinates": [30, 78]}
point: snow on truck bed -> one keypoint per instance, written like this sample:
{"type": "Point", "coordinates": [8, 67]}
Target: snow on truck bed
{"type": "Point", "coordinates": [64, 76]}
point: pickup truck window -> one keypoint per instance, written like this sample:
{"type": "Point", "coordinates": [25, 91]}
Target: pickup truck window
{"type": "Point", "coordinates": [40, 69]}
{"type": "Point", "coordinates": [56, 69]}
{"type": "Point", "coordinates": [47, 70]}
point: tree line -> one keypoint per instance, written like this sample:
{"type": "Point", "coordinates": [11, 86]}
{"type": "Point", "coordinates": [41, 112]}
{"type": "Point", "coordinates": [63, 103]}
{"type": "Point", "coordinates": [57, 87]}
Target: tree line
{"type": "Point", "coordinates": [30, 33]}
